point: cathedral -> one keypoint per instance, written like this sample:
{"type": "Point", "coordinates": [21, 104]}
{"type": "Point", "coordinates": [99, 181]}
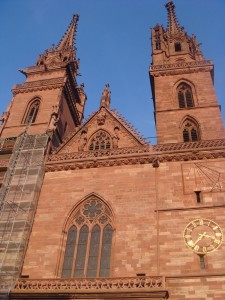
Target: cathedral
{"type": "Point", "coordinates": [88, 208]}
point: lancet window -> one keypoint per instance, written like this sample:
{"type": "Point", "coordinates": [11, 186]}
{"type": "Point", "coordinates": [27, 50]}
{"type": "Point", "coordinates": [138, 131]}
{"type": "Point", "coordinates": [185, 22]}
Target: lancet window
{"type": "Point", "coordinates": [185, 97]}
{"type": "Point", "coordinates": [101, 140]}
{"type": "Point", "coordinates": [89, 241]}
{"type": "Point", "coordinates": [32, 112]}
{"type": "Point", "coordinates": [190, 131]}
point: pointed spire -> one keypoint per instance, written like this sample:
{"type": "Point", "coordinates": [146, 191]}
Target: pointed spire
{"type": "Point", "coordinates": [65, 51]}
{"type": "Point", "coordinates": [106, 99]}
{"type": "Point", "coordinates": [173, 25]}
{"type": "Point", "coordinates": [67, 42]}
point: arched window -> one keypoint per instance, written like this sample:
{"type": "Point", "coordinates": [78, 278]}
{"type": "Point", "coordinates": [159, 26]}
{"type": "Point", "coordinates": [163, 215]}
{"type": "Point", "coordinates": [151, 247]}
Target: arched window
{"type": "Point", "coordinates": [32, 112]}
{"type": "Point", "coordinates": [89, 241]}
{"type": "Point", "coordinates": [190, 131]}
{"type": "Point", "coordinates": [185, 97]}
{"type": "Point", "coordinates": [100, 141]}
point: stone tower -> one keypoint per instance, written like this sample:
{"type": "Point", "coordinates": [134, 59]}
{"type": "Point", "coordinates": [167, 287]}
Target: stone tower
{"type": "Point", "coordinates": [186, 107]}
{"type": "Point", "coordinates": [50, 98]}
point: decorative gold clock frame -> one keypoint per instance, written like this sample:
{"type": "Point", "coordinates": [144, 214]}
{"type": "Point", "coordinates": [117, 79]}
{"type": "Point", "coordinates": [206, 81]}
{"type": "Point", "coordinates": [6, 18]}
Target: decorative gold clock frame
{"type": "Point", "coordinates": [203, 236]}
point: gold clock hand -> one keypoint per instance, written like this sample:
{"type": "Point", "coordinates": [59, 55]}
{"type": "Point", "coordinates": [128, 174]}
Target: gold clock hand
{"type": "Point", "coordinates": [209, 236]}
{"type": "Point", "coordinates": [200, 237]}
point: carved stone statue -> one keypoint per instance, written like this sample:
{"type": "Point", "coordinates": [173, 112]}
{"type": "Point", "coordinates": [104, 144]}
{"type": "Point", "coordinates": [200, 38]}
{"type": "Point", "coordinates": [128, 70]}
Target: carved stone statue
{"type": "Point", "coordinates": [53, 121]}
{"type": "Point", "coordinates": [115, 137]}
{"type": "Point", "coordinates": [101, 117]}
{"type": "Point", "coordinates": [82, 141]}
{"type": "Point", "coordinates": [106, 99]}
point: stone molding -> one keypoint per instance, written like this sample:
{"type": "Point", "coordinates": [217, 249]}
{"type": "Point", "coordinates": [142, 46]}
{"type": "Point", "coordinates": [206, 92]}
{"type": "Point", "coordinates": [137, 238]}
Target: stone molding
{"type": "Point", "coordinates": [181, 68]}
{"type": "Point", "coordinates": [139, 155]}
{"type": "Point", "coordinates": [100, 284]}
{"type": "Point", "coordinates": [38, 85]}
{"type": "Point", "coordinates": [181, 65]}
{"type": "Point", "coordinates": [116, 161]}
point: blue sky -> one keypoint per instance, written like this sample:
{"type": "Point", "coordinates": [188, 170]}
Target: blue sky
{"type": "Point", "coordinates": [113, 44]}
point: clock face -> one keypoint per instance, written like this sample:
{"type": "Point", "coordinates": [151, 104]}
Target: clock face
{"type": "Point", "coordinates": [203, 236]}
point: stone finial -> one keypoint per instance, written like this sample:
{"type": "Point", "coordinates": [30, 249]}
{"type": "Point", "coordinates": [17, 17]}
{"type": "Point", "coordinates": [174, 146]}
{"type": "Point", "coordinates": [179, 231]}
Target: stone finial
{"type": "Point", "coordinates": [106, 97]}
{"type": "Point", "coordinates": [173, 25]}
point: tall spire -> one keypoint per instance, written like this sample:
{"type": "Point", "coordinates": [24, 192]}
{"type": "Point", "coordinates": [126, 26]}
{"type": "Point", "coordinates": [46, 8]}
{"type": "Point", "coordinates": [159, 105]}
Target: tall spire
{"type": "Point", "coordinates": [65, 52]}
{"type": "Point", "coordinates": [67, 42]}
{"type": "Point", "coordinates": [173, 25]}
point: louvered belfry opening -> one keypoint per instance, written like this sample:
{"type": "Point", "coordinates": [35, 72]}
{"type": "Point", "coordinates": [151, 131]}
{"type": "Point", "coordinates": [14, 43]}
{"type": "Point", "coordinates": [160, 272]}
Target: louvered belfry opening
{"type": "Point", "coordinates": [190, 131]}
{"type": "Point", "coordinates": [185, 96]}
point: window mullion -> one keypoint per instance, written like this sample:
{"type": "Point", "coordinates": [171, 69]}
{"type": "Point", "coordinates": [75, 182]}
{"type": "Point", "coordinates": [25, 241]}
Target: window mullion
{"type": "Point", "coordinates": [87, 251]}
{"type": "Point", "coordinates": [75, 252]}
{"type": "Point", "coordinates": [100, 251]}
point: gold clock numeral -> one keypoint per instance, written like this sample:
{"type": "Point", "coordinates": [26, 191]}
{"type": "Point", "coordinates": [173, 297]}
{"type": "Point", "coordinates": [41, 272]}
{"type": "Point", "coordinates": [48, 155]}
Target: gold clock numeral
{"type": "Point", "coordinates": [215, 227]}
{"type": "Point", "coordinates": [193, 223]}
{"type": "Point", "coordinates": [201, 222]}
{"type": "Point", "coordinates": [196, 247]}
{"type": "Point", "coordinates": [217, 241]}
{"type": "Point", "coordinates": [191, 243]}
{"type": "Point", "coordinates": [204, 249]}
{"type": "Point", "coordinates": [218, 234]}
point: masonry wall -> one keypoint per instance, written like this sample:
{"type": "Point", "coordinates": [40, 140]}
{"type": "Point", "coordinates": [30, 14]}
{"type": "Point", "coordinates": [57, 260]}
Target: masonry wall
{"type": "Point", "coordinates": [20, 103]}
{"type": "Point", "coordinates": [169, 117]}
{"type": "Point", "coordinates": [152, 207]}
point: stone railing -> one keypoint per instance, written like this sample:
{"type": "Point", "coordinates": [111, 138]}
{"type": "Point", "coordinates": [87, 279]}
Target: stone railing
{"type": "Point", "coordinates": [92, 284]}
{"type": "Point", "coordinates": [215, 144]}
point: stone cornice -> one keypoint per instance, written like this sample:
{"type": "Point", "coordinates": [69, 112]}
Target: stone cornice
{"type": "Point", "coordinates": [140, 155]}
{"type": "Point", "coordinates": [181, 68]}
{"type": "Point", "coordinates": [148, 159]}
{"type": "Point", "coordinates": [38, 85]}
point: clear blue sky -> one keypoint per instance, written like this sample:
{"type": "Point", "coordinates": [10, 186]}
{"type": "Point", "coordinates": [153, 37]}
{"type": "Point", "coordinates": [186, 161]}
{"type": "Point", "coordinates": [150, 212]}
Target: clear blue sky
{"type": "Point", "coordinates": [113, 44]}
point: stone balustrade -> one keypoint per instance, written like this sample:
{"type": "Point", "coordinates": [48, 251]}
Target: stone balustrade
{"type": "Point", "coordinates": [96, 284]}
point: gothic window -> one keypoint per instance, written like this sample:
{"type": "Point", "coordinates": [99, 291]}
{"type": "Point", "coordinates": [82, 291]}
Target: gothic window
{"type": "Point", "coordinates": [177, 47]}
{"type": "Point", "coordinates": [185, 97]}
{"type": "Point", "coordinates": [32, 112]}
{"type": "Point", "coordinates": [100, 141]}
{"type": "Point", "coordinates": [190, 132]}
{"type": "Point", "coordinates": [89, 241]}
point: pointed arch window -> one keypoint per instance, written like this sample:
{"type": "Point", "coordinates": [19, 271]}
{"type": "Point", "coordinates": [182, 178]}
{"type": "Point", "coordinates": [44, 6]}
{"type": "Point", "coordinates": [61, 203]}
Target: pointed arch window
{"type": "Point", "coordinates": [100, 141]}
{"type": "Point", "coordinates": [190, 131]}
{"type": "Point", "coordinates": [89, 241]}
{"type": "Point", "coordinates": [185, 96]}
{"type": "Point", "coordinates": [32, 111]}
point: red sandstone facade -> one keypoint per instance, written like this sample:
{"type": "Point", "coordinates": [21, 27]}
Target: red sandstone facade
{"type": "Point", "coordinates": [149, 192]}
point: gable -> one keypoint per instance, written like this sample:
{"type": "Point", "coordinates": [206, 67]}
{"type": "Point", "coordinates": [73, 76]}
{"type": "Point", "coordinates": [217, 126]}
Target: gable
{"type": "Point", "coordinates": [105, 129]}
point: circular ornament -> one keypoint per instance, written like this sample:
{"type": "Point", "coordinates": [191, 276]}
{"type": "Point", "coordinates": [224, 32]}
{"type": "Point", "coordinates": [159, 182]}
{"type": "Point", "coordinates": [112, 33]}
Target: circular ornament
{"type": "Point", "coordinates": [203, 236]}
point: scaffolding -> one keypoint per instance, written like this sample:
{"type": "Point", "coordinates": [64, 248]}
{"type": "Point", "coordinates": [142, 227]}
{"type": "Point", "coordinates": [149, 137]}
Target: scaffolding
{"type": "Point", "coordinates": [18, 200]}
